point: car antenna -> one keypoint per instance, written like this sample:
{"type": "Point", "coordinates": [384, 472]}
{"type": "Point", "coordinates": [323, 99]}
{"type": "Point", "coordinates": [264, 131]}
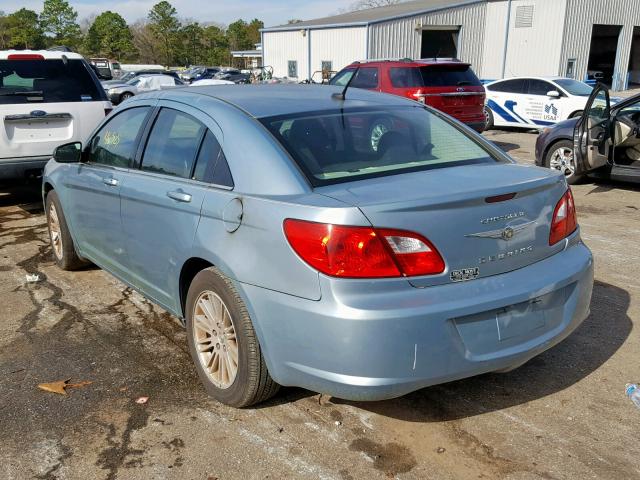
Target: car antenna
{"type": "Point", "coordinates": [341, 96]}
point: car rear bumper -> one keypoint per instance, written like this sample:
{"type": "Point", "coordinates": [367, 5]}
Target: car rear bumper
{"type": "Point", "coordinates": [477, 126]}
{"type": "Point", "coordinates": [18, 168]}
{"type": "Point", "coordinates": [358, 343]}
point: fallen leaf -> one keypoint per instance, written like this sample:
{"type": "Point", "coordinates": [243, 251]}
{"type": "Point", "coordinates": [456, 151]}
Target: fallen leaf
{"type": "Point", "coordinates": [60, 386]}
{"type": "Point", "coordinates": [142, 400]}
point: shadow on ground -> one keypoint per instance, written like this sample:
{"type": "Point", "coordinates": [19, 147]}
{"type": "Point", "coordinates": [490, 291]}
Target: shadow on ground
{"type": "Point", "coordinates": [591, 345]}
{"type": "Point", "coordinates": [25, 195]}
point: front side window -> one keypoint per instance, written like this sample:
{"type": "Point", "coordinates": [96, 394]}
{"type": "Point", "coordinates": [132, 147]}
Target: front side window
{"type": "Point", "coordinates": [366, 77]}
{"type": "Point", "coordinates": [540, 87]}
{"type": "Point", "coordinates": [47, 81]}
{"type": "Point", "coordinates": [337, 146]}
{"type": "Point", "coordinates": [172, 144]}
{"type": "Point", "coordinates": [115, 144]}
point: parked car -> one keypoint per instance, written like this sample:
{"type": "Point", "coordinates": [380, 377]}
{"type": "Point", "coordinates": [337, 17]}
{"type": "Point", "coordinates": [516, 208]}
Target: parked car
{"type": "Point", "coordinates": [534, 102]}
{"type": "Point", "coordinates": [210, 81]}
{"type": "Point", "coordinates": [47, 98]}
{"type": "Point", "coordinates": [361, 273]}
{"type": "Point", "coordinates": [142, 83]}
{"type": "Point", "coordinates": [446, 84]}
{"type": "Point", "coordinates": [127, 76]}
{"type": "Point", "coordinates": [191, 73]}
{"type": "Point", "coordinates": [107, 69]}
{"type": "Point", "coordinates": [233, 75]}
{"type": "Point", "coordinates": [603, 141]}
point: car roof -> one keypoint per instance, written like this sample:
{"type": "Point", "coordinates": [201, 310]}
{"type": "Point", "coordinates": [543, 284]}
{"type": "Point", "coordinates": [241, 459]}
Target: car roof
{"type": "Point", "coordinates": [47, 54]}
{"type": "Point", "coordinates": [271, 100]}
{"type": "Point", "coordinates": [534, 77]}
{"type": "Point", "coordinates": [410, 63]}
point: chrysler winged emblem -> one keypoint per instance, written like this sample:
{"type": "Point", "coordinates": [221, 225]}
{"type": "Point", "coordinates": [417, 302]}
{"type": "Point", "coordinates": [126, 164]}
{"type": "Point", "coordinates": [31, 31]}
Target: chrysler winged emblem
{"type": "Point", "coordinates": [505, 234]}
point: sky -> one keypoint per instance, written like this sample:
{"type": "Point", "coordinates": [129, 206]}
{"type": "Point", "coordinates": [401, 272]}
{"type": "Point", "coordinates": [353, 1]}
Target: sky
{"type": "Point", "coordinates": [272, 12]}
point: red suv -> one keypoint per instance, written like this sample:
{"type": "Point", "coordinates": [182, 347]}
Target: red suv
{"type": "Point", "coordinates": [449, 85]}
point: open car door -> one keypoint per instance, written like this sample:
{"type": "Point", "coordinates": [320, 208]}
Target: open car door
{"type": "Point", "coordinates": [592, 144]}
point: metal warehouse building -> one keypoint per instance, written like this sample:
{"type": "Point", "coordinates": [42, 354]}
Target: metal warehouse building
{"type": "Point", "coordinates": [500, 38]}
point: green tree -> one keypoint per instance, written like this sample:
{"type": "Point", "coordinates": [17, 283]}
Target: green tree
{"type": "Point", "coordinates": [215, 45]}
{"type": "Point", "coordinates": [237, 34]}
{"type": "Point", "coordinates": [191, 51]}
{"type": "Point", "coordinates": [164, 23]}
{"type": "Point", "coordinates": [110, 36]}
{"type": "Point", "coordinates": [24, 30]}
{"type": "Point", "coordinates": [253, 31]}
{"type": "Point", "coordinates": [59, 19]}
{"type": "Point", "coordinates": [4, 32]}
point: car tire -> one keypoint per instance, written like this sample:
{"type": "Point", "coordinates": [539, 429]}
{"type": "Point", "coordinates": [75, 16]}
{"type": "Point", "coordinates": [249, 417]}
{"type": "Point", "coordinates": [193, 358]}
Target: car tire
{"type": "Point", "coordinates": [554, 160]}
{"type": "Point", "coordinates": [64, 251]}
{"type": "Point", "coordinates": [125, 96]}
{"type": "Point", "coordinates": [488, 118]}
{"type": "Point", "coordinates": [217, 320]}
{"type": "Point", "coordinates": [577, 114]}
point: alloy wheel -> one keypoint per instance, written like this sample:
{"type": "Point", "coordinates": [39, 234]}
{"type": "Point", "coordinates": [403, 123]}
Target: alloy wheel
{"type": "Point", "coordinates": [214, 336]}
{"type": "Point", "coordinates": [377, 131]}
{"type": "Point", "coordinates": [56, 234]}
{"type": "Point", "coordinates": [562, 160]}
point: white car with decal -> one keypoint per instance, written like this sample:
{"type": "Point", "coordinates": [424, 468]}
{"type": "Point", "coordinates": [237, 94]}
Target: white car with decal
{"type": "Point", "coordinates": [534, 102]}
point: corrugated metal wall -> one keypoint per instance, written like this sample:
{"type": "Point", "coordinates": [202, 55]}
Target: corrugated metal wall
{"type": "Point", "coordinates": [582, 15]}
{"type": "Point", "coordinates": [340, 46]}
{"type": "Point", "coordinates": [536, 49]}
{"type": "Point", "coordinates": [402, 37]}
{"type": "Point", "coordinates": [280, 47]}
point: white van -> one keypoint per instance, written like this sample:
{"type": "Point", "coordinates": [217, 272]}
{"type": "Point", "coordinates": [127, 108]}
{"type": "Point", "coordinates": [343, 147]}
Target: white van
{"type": "Point", "coordinates": [47, 98]}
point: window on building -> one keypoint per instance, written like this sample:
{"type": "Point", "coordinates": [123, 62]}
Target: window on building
{"type": "Point", "coordinates": [571, 68]}
{"type": "Point", "coordinates": [292, 69]}
{"type": "Point", "coordinates": [524, 16]}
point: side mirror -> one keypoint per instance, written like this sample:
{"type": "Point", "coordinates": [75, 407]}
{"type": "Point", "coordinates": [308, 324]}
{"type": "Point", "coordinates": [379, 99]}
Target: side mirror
{"type": "Point", "coordinates": [553, 94]}
{"type": "Point", "coordinates": [68, 153]}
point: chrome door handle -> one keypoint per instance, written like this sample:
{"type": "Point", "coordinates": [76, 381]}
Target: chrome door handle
{"type": "Point", "coordinates": [179, 196]}
{"type": "Point", "coordinates": [112, 182]}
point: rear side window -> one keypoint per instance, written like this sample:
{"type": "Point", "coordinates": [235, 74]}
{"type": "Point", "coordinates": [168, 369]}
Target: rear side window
{"type": "Point", "coordinates": [173, 144]}
{"type": "Point", "coordinates": [115, 144]}
{"type": "Point", "coordinates": [47, 81]}
{"type": "Point", "coordinates": [510, 86]}
{"type": "Point", "coordinates": [212, 166]}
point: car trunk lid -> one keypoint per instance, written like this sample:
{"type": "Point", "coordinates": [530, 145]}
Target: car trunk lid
{"type": "Point", "coordinates": [483, 219]}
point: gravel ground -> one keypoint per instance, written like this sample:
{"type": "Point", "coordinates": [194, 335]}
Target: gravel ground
{"type": "Point", "coordinates": [563, 415]}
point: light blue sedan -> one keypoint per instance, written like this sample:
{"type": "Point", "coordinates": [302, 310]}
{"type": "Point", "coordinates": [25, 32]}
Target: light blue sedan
{"type": "Point", "coordinates": [359, 245]}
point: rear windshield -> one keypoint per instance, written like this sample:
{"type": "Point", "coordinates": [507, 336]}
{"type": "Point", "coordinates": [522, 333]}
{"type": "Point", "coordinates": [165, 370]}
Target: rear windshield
{"type": "Point", "coordinates": [339, 146]}
{"type": "Point", "coordinates": [434, 76]}
{"type": "Point", "coordinates": [47, 81]}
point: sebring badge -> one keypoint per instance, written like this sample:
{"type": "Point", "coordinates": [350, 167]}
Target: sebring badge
{"type": "Point", "coordinates": [505, 255]}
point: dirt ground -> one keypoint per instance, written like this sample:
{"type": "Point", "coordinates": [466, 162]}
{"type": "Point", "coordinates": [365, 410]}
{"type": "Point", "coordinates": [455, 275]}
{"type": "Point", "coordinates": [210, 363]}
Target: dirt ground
{"type": "Point", "coordinates": [563, 415]}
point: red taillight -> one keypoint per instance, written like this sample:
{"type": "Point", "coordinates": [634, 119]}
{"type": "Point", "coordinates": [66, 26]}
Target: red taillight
{"type": "Point", "coordinates": [25, 56]}
{"type": "Point", "coordinates": [362, 252]}
{"type": "Point", "coordinates": [564, 221]}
